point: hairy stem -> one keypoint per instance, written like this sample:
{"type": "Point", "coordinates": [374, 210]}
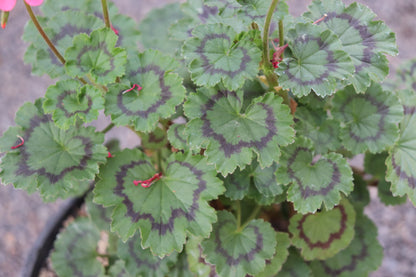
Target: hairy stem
{"type": "Point", "coordinates": [268, 69]}
{"type": "Point", "coordinates": [238, 211]}
{"type": "Point", "coordinates": [46, 38]}
{"type": "Point", "coordinates": [105, 13]}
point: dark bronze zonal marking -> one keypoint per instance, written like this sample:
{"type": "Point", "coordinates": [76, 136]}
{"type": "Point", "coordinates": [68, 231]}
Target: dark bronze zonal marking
{"type": "Point", "coordinates": [61, 106]}
{"type": "Point", "coordinates": [69, 255]}
{"type": "Point", "coordinates": [308, 191]}
{"type": "Point", "coordinates": [367, 38]}
{"type": "Point", "coordinates": [411, 180]}
{"type": "Point", "coordinates": [177, 136]}
{"type": "Point", "coordinates": [332, 236]}
{"type": "Point", "coordinates": [66, 30]}
{"type": "Point", "coordinates": [249, 256]}
{"type": "Point", "coordinates": [141, 262]}
{"type": "Point", "coordinates": [24, 168]}
{"type": "Point", "coordinates": [409, 110]}
{"type": "Point", "coordinates": [161, 228]}
{"type": "Point", "coordinates": [165, 93]}
{"type": "Point", "coordinates": [355, 259]}
{"type": "Point", "coordinates": [330, 66]}
{"type": "Point", "coordinates": [382, 110]}
{"type": "Point", "coordinates": [207, 11]}
{"type": "Point", "coordinates": [227, 147]}
{"type": "Point", "coordinates": [102, 47]}
{"type": "Point", "coordinates": [209, 68]}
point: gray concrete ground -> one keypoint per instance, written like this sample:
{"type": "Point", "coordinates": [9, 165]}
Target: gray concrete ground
{"type": "Point", "coordinates": [23, 216]}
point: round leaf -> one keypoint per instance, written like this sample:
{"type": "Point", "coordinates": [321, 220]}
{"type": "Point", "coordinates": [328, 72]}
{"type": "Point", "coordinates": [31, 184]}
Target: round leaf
{"type": "Point", "coordinates": [166, 211]}
{"type": "Point", "coordinates": [96, 56]}
{"type": "Point", "coordinates": [197, 263]}
{"type": "Point", "coordinates": [56, 162]}
{"type": "Point", "coordinates": [401, 160]}
{"type": "Point", "coordinates": [295, 266]}
{"type": "Point", "coordinates": [75, 251]}
{"type": "Point", "coordinates": [216, 53]}
{"type": "Point", "coordinates": [370, 119]}
{"type": "Point", "coordinates": [238, 252]}
{"type": "Point", "coordinates": [315, 179]}
{"type": "Point", "coordinates": [316, 62]}
{"type": "Point", "coordinates": [141, 262]}
{"type": "Point", "coordinates": [161, 92]}
{"type": "Point", "coordinates": [323, 234]}
{"type": "Point", "coordinates": [67, 101]}
{"type": "Point", "coordinates": [362, 256]}
{"type": "Point", "coordinates": [282, 252]}
{"type": "Point", "coordinates": [176, 136]}
{"type": "Point", "coordinates": [365, 40]}
{"type": "Point", "coordinates": [230, 134]}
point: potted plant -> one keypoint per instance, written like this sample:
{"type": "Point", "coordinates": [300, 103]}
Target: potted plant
{"type": "Point", "coordinates": [246, 117]}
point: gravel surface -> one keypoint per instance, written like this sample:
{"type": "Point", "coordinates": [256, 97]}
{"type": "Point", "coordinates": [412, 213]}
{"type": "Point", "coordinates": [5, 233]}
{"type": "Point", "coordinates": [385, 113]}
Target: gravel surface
{"type": "Point", "coordinates": [24, 216]}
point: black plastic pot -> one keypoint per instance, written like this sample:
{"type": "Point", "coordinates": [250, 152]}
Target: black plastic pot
{"type": "Point", "coordinates": [44, 244]}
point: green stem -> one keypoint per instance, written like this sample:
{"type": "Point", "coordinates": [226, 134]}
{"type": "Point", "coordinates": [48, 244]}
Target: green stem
{"type": "Point", "coordinates": [105, 13]}
{"type": "Point", "coordinates": [250, 218]}
{"type": "Point", "coordinates": [159, 160]}
{"type": "Point", "coordinates": [266, 52]}
{"type": "Point", "coordinates": [46, 38]}
{"type": "Point", "coordinates": [238, 211]}
{"type": "Point", "coordinates": [281, 35]}
{"type": "Point", "coordinates": [268, 69]}
{"type": "Point", "coordinates": [108, 128]}
{"type": "Point", "coordinates": [101, 87]}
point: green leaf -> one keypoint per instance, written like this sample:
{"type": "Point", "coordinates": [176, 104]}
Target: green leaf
{"type": "Point", "coordinates": [360, 197]}
{"type": "Point", "coordinates": [197, 260]}
{"type": "Point", "coordinates": [57, 163]}
{"type": "Point", "coordinates": [256, 10]}
{"type": "Point", "coordinates": [386, 196]}
{"type": "Point", "coordinates": [231, 134]}
{"type": "Point", "coordinates": [295, 266]}
{"type": "Point", "coordinates": [323, 234]}
{"type": "Point", "coordinates": [364, 39]}
{"type": "Point", "coordinates": [263, 179]}
{"type": "Point", "coordinates": [362, 256]}
{"type": "Point", "coordinates": [282, 252]}
{"type": "Point", "coordinates": [141, 262]}
{"type": "Point", "coordinates": [98, 214]}
{"type": "Point", "coordinates": [96, 56]}
{"type": "Point", "coordinates": [161, 92]}
{"type": "Point", "coordinates": [75, 251]}
{"type": "Point", "coordinates": [216, 52]}
{"type": "Point", "coordinates": [176, 136]}
{"type": "Point", "coordinates": [167, 210]}
{"type": "Point", "coordinates": [314, 178]}
{"type": "Point", "coordinates": [61, 29]}
{"type": "Point", "coordinates": [400, 162]}
{"type": "Point", "coordinates": [154, 28]}
{"type": "Point", "coordinates": [316, 62]}
{"type": "Point", "coordinates": [154, 140]}
{"type": "Point", "coordinates": [237, 252]}
{"type": "Point", "coordinates": [181, 267]}
{"type": "Point", "coordinates": [68, 101]}
{"type": "Point", "coordinates": [375, 164]}
{"type": "Point", "coordinates": [370, 119]}
{"type": "Point", "coordinates": [118, 269]}
{"type": "Point", "coordinates": [407, 74]}
{"type": "Point", "coordinates": [321, 130]}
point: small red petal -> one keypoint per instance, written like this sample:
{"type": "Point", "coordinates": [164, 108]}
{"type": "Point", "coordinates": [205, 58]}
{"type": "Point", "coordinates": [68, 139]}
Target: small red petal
{"type": "Point", "coordinates": [3, 25]}
{"type": "Point", "coordinates": [109, 155]}
{"type": "Point", "coordinates": [20, 144]}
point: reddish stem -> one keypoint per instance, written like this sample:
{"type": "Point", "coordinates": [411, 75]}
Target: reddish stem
{"type": "Point", "coordinates": [320, 19]}
{"type": "Point", "coordinates": [139, 88]}
{"type": "Point", "coordinates": [147, 183]}
{"type": "Point", "coordinates": [114, 30]}
{"type": "Point", "coordinates": [20, 144]}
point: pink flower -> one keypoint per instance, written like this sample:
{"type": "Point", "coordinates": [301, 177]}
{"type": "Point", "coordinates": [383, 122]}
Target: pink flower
{"type": "Point", "coordinates": [7, 5]}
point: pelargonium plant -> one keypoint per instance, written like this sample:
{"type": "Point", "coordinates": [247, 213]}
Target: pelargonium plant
{"type": "Point", "coordinates": [247, 118]}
